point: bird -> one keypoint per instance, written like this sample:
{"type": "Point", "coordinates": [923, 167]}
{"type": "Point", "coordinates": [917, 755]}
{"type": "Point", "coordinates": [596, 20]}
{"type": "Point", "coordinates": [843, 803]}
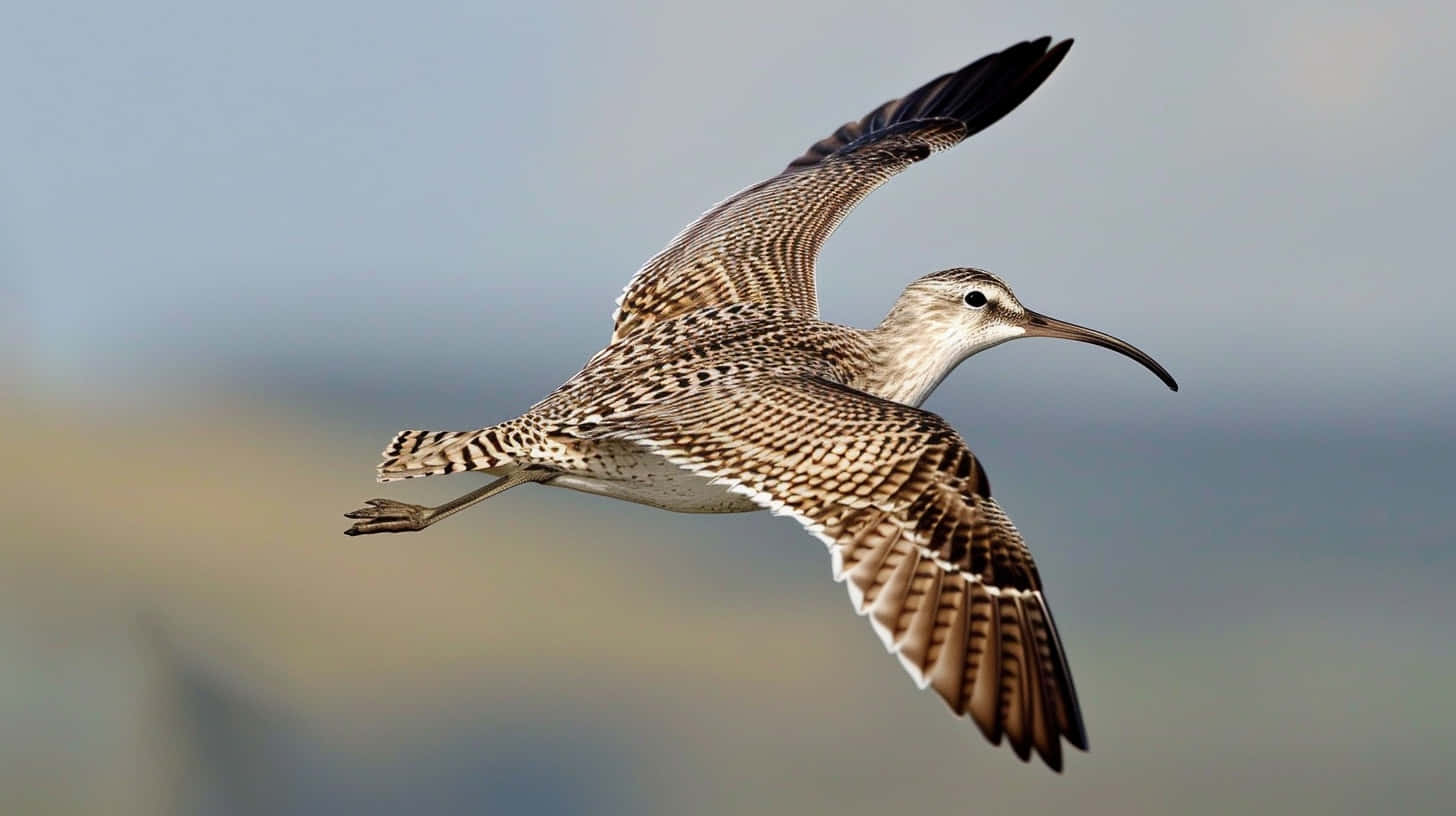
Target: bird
{"type": "Point", "coordinates": [722, 390]}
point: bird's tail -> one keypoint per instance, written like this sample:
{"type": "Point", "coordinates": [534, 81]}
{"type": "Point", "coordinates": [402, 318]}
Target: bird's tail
{"type": "Point", "coordinates": [412, 454]}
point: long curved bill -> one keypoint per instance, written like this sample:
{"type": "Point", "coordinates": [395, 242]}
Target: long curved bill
{"type": "Point", "coordinates": [1039, 325]}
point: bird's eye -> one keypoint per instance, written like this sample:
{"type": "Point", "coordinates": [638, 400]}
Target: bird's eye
{"type": "Point", "coordinates": [975, 298]}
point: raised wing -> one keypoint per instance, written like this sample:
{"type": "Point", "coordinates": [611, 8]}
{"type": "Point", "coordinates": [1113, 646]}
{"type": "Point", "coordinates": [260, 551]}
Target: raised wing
{"type": "Point", "coordinates": [759, 245]}
{"type": "Point", "coordinates": [906, 510]}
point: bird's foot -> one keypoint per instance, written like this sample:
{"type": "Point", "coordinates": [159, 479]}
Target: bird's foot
{"type": "Point", "coordinates": [388, 516]}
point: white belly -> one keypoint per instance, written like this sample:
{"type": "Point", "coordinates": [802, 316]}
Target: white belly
{"type": "Point", "coordinates": [625, 471]}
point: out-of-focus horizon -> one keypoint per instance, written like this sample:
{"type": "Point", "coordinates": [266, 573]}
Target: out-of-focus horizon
{"type": "Point", "coordinates": [240, 248]}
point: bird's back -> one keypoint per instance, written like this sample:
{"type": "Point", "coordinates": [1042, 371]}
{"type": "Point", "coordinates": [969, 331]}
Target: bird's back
{"type": "Point", "coordinates": [671, 362]}
{"type": "Point", "coordinates": [707, 347]}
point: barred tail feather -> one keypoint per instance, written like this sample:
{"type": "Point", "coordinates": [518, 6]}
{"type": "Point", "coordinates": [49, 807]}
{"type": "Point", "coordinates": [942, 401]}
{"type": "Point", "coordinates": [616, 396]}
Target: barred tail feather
{"type": "Point", "coordinates": [413, 453]}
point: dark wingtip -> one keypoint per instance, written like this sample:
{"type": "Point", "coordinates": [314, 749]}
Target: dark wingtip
{"type": "Point", "coordinates": [1078, 739]}
{"type": "Point", "coordinates": [986, 90]}
{"type": "Point", "coordinates": [978, 95]}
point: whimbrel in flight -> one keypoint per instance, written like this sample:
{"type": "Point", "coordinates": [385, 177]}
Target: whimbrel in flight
{"type": "Point", "coordinates": [722, 391]}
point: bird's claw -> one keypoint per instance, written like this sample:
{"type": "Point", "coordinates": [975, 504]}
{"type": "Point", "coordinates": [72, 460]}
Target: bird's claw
{"type": "Point", "coordinates": [387, 516]}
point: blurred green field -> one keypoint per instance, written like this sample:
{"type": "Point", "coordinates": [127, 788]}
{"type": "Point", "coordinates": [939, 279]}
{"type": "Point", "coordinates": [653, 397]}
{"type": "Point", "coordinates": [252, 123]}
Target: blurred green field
{"type": "Point", "coordinates": [185, 630]}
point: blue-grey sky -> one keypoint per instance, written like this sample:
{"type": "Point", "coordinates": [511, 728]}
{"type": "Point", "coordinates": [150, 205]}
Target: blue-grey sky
{"type": "Point", "coordinates": [293, 229]}
{"type": "Point", "coordinates": [1256, 194]}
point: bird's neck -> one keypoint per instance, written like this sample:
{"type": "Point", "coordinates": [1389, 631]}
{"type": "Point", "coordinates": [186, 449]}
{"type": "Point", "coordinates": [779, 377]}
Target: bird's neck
{"type": "Point", "coordinates": [910, 356]}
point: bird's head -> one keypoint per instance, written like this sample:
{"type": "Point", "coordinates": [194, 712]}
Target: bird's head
{"type": "Point", "coordinates": [972, 310]}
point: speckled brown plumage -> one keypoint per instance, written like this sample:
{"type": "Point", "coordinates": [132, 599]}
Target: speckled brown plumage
{"type": "Point", "coordinates": [776, 409]}
{"type": "Point", "coordinates": [759, 245]}
{"type": "Point", "coordinates": [906, 510]}
{"type": "Point", "coordinates": [722, 391]}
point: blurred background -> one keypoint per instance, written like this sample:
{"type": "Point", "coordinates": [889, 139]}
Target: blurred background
{"type": "Point", "coordinates": [240, 247]}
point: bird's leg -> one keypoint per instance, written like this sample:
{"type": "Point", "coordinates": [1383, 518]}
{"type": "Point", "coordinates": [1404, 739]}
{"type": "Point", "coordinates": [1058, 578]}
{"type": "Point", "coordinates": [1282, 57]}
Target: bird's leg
{"type": "Point", "coordinates": [390, 516]}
